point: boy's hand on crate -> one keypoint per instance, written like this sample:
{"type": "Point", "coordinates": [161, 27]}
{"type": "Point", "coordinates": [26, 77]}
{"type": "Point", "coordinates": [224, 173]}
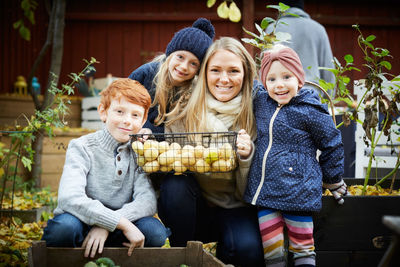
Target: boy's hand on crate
{"type": "Point", "coordinates": [244, 144]}
{"type": "Point", "coordinates": [132, 233]}
{"type": "Point", "coordinates": [94, 241]}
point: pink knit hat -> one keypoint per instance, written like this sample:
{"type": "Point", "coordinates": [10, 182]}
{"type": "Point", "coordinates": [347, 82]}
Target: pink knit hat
{"type": "Point", "coordinates": [288, 57]}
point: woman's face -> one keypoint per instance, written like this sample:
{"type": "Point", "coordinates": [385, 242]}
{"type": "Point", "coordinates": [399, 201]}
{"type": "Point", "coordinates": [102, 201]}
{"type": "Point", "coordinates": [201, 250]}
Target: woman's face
{"type": "Point", "coordinates": [225, 75]}
{"type": "Point", "coordinates": [182, 66]}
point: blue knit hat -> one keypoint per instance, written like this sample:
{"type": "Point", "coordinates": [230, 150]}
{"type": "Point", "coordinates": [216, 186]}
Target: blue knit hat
{"type": "Point", "coordinates": [195, 39]}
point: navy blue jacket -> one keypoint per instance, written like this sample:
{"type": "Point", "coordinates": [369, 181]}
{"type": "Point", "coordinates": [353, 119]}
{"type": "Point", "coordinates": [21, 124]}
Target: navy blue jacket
{"type": "Point", "coordinates": [285, 173]}
{"type": "Point", "coordinates": [145, 75]}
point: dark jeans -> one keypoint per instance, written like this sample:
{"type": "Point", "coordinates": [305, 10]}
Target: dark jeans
{"type": "Point", "coordinates": [66, 230]}
{"type": "Point", "coordinates": [183, 209]}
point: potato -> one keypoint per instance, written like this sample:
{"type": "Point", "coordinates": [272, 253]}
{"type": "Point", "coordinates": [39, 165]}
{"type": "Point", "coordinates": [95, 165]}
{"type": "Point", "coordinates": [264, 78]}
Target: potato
{"type": "Point", "coordinates": [178, 167]}
{"type": "Point", "coordinates": [166, 158]}
{"type": "Point", "coordinates": [150, 143]}
{"type": "Point", "coordinates": [150, 153]}
{"type": "Point", "coordinates": [198, 151]}
{"type": "Point", "coordinates": [221, 166]}
{"type": "Point", "coordinates": [175, 147]}
{"type": "Point", "coordinates": [163, 146]}
{"type": "Point", "coordinates": [202, 166]}
{"type": "Point", "coordinates": [151, 166]}
{"type": "Point", "coordinates": [167, 168]}
{"type": "Point", "coordinates": [140, 160]}
{"type": "Point", "coordinates": [225, 151]}
{"type": "Point", "coordinates": [210, 154]}
{"type": "Point", "coordinates": [188, 158]}
{"type": "Point", "coordinates": [188, 148]}
{"type": "Point", "coordinates": [137, 146]}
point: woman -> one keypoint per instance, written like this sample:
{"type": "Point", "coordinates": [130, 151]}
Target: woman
{"type": "Point", "coordinates": [210, 207]}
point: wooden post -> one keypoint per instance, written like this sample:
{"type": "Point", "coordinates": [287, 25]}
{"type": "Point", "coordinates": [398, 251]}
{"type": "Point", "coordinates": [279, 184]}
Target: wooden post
{"type": "Point", "coordinates": [37, 254]}
{"type": "Point", "coordinates": [194, 254]}
{"type": "Point", "coordinates": [248, 19]}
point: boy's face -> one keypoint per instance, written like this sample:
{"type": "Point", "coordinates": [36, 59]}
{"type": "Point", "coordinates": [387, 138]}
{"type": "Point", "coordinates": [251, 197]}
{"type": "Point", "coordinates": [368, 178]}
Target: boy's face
{"type": "Point", "coordinates": [282, 84]}
{"type": "Point", "coordinates": [122, 118]}
{"type": "Point", "coordinates": [182, 66]}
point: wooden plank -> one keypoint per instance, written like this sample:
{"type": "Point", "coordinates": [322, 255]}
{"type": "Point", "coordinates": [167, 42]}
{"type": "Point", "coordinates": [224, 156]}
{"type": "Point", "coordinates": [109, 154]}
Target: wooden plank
{"type": "Point", "coordinates": [37, 256]}
{"type": "Point", "coordinates": [50, 179]}
{"type": "Point", "coordinates": [16, 110]}
{"type": "Point", "coordinates": [52, 163]}
{"type": "Point", "coordinates": [134, 16]}
{"type": "Point", "coordinates": [56, 145]}
{"type": "Point", "coordinates": [26, 215]}
{"type": "Point", "coordinates": [140, 257]}
{"type": "Point", "coordinates": [194, 253]}
{"type": "Point", "coordinates": [248, 23]}
{"type": "Point", "coordinates": [149, 257]}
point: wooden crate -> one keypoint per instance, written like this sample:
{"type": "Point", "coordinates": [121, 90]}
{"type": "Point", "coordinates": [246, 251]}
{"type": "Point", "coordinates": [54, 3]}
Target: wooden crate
{"type": "Point", "coordinates": [14, 107]}
{"type": "Point", "coordinates": [192, 255]}
{"type": "Point", "coordinates": [53, 156]}
{"type": "Point", "coordinates": [90, 116]}
{"type": "Point", "coordinates": [26, 216]}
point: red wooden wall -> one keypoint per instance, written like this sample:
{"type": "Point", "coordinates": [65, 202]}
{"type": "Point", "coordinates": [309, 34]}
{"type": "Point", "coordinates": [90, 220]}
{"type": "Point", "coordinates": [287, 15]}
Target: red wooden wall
{"type": "Point", "coordinates": [123, 34]}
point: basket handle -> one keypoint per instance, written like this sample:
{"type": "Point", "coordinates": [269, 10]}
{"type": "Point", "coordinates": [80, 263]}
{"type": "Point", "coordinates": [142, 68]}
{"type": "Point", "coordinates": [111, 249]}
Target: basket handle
{"type": "Point", "coordinates": [327, 95]}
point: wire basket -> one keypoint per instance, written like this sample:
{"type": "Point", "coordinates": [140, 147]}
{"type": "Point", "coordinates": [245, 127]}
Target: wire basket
{"type": "Point", "coordinates": [185, 152]}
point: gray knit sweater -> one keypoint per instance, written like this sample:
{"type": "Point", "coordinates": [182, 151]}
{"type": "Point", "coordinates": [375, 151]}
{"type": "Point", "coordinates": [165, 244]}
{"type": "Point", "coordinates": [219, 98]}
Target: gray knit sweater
{"type": "Point", "coordinates": [100, 182]}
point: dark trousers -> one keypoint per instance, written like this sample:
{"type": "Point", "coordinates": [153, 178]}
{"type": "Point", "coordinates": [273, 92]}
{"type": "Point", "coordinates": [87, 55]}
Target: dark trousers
{"type": "Point", "coordinates": [183, 209]}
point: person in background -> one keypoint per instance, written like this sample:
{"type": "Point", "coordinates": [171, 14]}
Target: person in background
{"type": "Point", "coordinates": [169, 77]}
{"type": "Point", "coordinates": [209, 207]}
{"type": "Point", "coordinates": [285, 180]}
{"type": "Point", "coordinates": [102, 198]}
{"type": "Point", "coordinates": [310, 41]}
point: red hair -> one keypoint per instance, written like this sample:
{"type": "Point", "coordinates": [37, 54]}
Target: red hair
{"type": "Point", "coordinates": [132, 90]}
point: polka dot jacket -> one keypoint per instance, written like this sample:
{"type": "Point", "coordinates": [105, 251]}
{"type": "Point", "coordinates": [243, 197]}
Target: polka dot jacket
{"type": "Point", "coordinates": [285, 173]}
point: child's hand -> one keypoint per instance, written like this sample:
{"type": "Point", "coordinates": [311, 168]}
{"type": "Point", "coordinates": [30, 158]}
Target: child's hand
{"type": "Point", "coordinates": [145, 131]}
{"type": "Point", "coordinates": [243, 144]}
{"type": "Point", "coordinates": [132, 233]}
{"type": "Point", "coordinates": [94, 241]}
{"type": "Point", "coordinates": [338, 190]}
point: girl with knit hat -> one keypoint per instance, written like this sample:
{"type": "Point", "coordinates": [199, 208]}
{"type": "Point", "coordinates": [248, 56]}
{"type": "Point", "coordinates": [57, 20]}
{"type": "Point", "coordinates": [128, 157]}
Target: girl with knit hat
{"type": "Point", "coordinates": [169, 77]}
{"type": "Point", "coordinates": [286, 179]}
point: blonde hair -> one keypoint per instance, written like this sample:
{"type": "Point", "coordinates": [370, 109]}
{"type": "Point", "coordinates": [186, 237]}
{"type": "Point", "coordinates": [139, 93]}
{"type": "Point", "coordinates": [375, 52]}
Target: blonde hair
{"type": "Point", "coordinates": [166, 95]}
{"type": "Point", "coordinates": [194, 114]}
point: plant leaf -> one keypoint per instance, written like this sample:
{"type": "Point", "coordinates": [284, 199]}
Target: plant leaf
{"type": "Point", "coordinates": [223, 10]}
{"type": "Point", "coordinates": [25, 33]}
{"type": "Point", "coordinates": [283, 7]}
{"type": "Point", "coordinates": [210, 3]}
{"type": "Point", "coordinates": [386, 64]}
{"type": "Point", "coordinates": [283, 36]}
{"type": "Point", "coordinates": [273, 6]}
{"type": "Point", "coordinates": [17, 24]}
{"type": "Point", "coordinates": [370, 38]}
{"type": "Point", "coordinates": [234, 13]}
{"type": "Point", "coordinates": [266, 21]}
{"type": "Point", "coordinates": [349, 58]}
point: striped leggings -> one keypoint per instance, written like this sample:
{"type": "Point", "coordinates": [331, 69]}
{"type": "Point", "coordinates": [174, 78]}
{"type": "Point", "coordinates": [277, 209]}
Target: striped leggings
{"type": "Point", "coordinates": [299, 231]}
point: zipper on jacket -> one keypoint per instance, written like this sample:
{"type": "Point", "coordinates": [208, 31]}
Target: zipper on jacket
{"type": "Point", "coordinates": [271, 124]}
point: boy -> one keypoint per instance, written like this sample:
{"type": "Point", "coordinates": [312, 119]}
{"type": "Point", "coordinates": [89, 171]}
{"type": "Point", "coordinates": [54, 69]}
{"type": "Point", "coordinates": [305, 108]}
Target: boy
{"type": "Point", "coordinates": [102, 199]}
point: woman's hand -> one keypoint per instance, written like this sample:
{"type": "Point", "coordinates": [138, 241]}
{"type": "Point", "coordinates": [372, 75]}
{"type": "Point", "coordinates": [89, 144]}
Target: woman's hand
{"type": "Point", "coordinates": [132, 233]}
{"type": "Point", "coordinates": [94, 241]}
{"type": "Point", "coordinates": [244, 144]}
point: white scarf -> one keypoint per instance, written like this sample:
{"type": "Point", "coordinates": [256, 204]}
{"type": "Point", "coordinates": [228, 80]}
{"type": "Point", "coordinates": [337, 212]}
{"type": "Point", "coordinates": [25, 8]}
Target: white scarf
{"type": "Point", "coordinates": [221, 115]}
